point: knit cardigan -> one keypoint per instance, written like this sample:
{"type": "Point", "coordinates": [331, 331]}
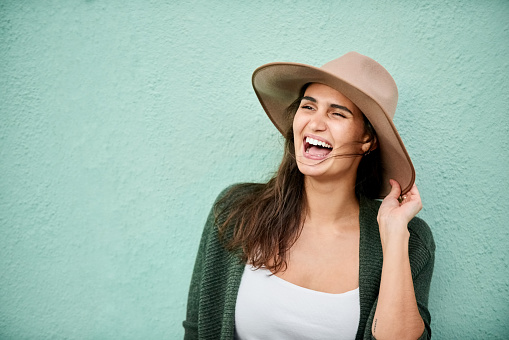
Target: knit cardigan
{"type": "Point", "coordinates": [217, 274]}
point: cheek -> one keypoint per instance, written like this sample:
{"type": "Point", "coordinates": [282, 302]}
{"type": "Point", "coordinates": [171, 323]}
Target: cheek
{"type": "Point", "coordinates": [298, 122]}
{"type": "Point", "coordinates": [297, 126]}
{"type": "Point", "coordinates": [357, 127]}
{"type": "Point", "coordinates": [360, 130]}
{"type": "Point", "coordinates": [347, 133]}
{"type": "Point", "coordinates": [296, 135]}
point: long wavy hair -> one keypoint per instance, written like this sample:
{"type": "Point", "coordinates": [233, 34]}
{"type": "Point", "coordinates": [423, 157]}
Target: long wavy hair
{"type": "Point", "coordinates": [263, 223]}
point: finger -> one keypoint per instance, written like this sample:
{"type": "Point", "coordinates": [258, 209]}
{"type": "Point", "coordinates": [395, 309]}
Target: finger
{"type": "Point", "coordinates": [412, 194]}
{"type": "Point", "coordinates": [414, 191]}
{"type": "Point", "coordinates": [395, 190]}
{"type": "Point", "coordinates": [415, 195]}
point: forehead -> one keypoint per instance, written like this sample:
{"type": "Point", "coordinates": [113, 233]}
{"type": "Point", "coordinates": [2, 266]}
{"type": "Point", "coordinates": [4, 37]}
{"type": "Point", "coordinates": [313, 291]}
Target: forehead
{"type": "Point", "coordinates": [327, 95]}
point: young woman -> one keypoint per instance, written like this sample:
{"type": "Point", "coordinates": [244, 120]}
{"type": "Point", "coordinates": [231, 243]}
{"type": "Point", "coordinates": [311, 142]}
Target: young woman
{"type": "Point", "coordinates": [311, 254]}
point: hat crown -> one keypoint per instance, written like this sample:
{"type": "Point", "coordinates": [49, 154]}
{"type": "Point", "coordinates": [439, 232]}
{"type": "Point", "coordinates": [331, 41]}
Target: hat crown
{"type": "Point", "coordinates": [366, 75]}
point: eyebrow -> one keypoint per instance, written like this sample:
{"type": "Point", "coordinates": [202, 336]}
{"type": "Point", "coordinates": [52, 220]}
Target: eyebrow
{"type": "Point", "coordinates": [341, 107]}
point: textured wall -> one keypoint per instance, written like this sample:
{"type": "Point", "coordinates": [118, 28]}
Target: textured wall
{"type": "Point", "coordinates": [120, 121]}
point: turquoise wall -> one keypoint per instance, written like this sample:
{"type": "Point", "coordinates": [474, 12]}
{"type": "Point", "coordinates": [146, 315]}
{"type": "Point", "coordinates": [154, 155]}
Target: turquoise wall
{"type": "Point", "coordinates": [120, 121]}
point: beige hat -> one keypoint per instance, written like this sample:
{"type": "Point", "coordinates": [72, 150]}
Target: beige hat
{"type": "Point", "coordinates": [362, 80]}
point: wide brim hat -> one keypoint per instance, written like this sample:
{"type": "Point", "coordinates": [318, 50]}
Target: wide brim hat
{"type": "Point", "coordinates": [362, 80]}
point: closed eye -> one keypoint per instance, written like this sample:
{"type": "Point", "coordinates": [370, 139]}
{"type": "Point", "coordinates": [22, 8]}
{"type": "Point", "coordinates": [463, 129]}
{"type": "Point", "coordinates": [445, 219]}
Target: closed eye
{"type": "Point", "coordinates": [307, 107]}
{"type": "Point", "coordinates": [339, 114]}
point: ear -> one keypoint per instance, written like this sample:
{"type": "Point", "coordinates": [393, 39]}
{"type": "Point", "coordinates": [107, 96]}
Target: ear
{"type": "Point", "coordinates": [369, 144]}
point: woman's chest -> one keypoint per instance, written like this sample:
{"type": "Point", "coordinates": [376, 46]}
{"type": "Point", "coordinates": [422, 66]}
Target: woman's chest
{"type": "Point", "coordinates": [324, 264]}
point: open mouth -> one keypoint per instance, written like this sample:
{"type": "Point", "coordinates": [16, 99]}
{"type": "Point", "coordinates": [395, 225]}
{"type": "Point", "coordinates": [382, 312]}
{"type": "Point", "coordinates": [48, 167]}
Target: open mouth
{"type": "Point", "coordinates": [316, 148]}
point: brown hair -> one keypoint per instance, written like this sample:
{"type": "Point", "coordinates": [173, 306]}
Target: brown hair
{"type": "Point", "coordinates": [263, 224]}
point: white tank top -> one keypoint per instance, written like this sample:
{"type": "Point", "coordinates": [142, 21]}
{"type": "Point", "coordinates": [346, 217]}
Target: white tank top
{"type": "Point", "coordinates": [269, 307]}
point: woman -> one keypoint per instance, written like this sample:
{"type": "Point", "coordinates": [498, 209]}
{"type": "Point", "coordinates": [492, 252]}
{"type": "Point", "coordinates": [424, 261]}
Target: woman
{"type": "Point", "coordinates": [311, 254]}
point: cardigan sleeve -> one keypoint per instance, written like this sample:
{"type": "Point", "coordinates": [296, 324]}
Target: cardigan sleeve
{"type": "Point", "coordinates": [195, 289]}
{"type": "Point", "coordinates": [422, 259]}
{"type": "Point", "coordinates": [193, 299]}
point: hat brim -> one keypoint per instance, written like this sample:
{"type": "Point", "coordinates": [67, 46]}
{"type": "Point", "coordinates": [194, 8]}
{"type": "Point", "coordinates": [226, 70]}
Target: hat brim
{"type": "Point", "coordinates": [277, 85]}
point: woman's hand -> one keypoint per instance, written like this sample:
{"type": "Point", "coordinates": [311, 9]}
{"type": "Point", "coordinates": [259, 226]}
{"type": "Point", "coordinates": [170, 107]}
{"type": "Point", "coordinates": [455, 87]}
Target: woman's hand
{"type": "Point", "coordinates": [394, 214]}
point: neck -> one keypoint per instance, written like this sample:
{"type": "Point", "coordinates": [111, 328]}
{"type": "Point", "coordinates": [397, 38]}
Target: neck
{"type": "Point", "coordinates": [331, 207]}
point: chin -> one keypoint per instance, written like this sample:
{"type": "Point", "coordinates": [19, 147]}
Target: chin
{"type": "Point", "coordinates": [316, 170]}
{"type": "Point", "coordinates": [326, 170]}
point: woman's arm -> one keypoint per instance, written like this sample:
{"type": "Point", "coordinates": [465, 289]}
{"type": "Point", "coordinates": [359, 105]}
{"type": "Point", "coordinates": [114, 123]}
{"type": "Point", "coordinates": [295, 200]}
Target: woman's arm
{"type": "Point", "coordinates": [397, 314]}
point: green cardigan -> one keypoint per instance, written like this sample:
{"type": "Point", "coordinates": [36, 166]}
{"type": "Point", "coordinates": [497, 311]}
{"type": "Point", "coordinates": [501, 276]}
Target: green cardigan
{"type": "Point", "coordinates": [217, 274]}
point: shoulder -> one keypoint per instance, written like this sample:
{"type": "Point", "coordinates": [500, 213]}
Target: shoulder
{"type": "Point", "coordinates": [231, 197]}
{"type": "Point", "coordinates": [234, 193]}
{"type": "Point", "coordinates": [220, 211]}
{"type": "Point", "coordinates": [420, 229]}
{"type": "Point", "coordinates": [239, 189]}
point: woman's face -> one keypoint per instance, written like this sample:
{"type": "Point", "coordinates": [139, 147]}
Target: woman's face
{"type": "Point", "coordinates": [327, 124]}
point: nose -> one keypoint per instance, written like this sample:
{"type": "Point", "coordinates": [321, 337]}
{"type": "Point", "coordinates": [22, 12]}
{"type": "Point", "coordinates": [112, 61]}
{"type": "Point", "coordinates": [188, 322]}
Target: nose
{"type": "Point", "coordinates": [317, 121]}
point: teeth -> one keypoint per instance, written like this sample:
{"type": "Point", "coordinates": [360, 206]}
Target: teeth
{"type": "Point", "coordinates": [317, 142]}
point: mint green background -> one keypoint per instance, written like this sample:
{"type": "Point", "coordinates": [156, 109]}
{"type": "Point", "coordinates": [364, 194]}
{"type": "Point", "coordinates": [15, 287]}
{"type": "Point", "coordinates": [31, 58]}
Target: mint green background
{"type": "Point", "coordinates": [120, 121]}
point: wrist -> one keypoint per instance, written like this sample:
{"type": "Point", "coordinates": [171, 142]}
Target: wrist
{"type": "Point", "coordinates": [395, 240]}
{"type": "Point", "coordinates": [395, 252]}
